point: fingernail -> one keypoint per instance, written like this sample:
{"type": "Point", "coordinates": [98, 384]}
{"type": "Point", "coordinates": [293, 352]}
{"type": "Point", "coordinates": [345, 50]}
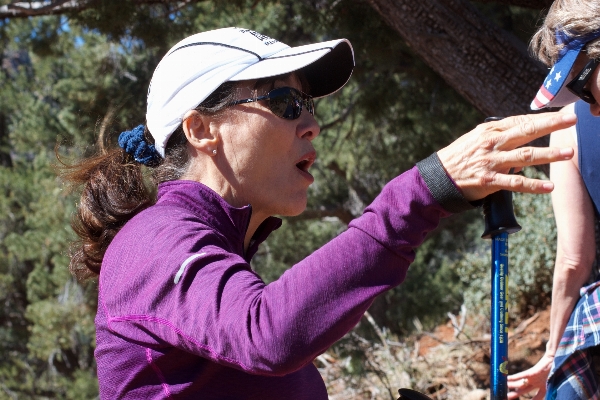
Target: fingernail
{"type": "Point", "coordinates": [566, 152]}
{"type": "Point", "coordinates": [548, 186]}
{"type": "Point", "coordinates": [569, 118]}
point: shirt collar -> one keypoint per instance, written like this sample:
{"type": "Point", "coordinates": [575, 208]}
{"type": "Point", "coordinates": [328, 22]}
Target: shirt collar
{"type": "Point", "coordinates": [214, 211]}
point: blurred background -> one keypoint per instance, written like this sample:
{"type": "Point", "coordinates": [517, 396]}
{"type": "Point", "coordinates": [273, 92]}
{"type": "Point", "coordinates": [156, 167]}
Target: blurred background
{"type": "Point", "coordinates": [75, 73]}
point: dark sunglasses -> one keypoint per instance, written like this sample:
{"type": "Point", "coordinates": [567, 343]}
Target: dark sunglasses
{"type": "Point", "coordinates": [285, 102]}
{"type": "Point", "coordinates": [577, 85]}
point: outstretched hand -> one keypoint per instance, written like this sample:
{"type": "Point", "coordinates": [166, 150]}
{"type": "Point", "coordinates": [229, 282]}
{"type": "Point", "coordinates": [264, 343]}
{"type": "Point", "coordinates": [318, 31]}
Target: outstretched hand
{"type": "Point", "coordinates": [532, 379]}
{"type": "Point", "coordinates": [480, 160]}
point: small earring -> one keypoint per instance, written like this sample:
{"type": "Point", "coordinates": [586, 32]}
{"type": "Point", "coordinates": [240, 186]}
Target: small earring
{"type": "Point", "coordinates": [214, 152]}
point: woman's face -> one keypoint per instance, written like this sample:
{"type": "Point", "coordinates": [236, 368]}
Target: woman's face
{"type": "Point", "coordinates": [593, 85]}
{"type": "Point", "coordinates": [265, 157]}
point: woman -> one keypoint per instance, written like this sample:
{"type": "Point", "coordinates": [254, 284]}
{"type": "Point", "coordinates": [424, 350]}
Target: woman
{"type": "Point", "coordinates": [569, 369]}
{"type": "Point", "coordinates": [229, 140]}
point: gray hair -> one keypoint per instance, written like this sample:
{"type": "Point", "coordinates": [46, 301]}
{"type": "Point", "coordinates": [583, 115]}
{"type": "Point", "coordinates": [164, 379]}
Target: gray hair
{"type": "Point", "coordinates": [574, 17]}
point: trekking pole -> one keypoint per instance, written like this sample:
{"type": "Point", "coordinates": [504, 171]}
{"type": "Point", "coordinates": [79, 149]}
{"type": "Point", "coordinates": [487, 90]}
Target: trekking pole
{"type": "Point", "coordinates": [500, 221]}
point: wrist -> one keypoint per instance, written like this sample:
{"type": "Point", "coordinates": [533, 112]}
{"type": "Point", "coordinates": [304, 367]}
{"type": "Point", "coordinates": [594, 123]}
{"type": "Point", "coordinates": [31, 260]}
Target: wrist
{"type": "Point", "coordinates": [441, 185]}
{"type": "Point", "coordinates": [550, 351]}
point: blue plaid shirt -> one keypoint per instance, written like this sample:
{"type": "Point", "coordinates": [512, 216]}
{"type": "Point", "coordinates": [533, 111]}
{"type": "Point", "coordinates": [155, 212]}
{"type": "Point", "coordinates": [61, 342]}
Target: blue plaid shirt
{"type": "Point", "coordinates": [573, 376]}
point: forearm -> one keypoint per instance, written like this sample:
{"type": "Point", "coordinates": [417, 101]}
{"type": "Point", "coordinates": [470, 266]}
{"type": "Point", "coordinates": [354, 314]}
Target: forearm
{"type": "Point", "coordinates": [568, 279]}
{"type": "Point", "coordinates": [576, 249]}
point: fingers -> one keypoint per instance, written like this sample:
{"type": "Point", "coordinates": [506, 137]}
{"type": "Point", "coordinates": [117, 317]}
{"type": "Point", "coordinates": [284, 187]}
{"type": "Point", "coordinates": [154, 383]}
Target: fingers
{"type": "Point", "coordinates": [517, 393]}
{"type": "Point", "coordinates": [516, 378]}
{"type": "Point", "coordinates": [522, 157]}
{"type": "Point", "coordinates": [519, 387]}
{"type": "Point", "coordinates": [479, 161]}
{"type": "Point", "coordinates": [533, 379]}
{"type": "Point", "coordinates": [519, 130]}
{"type": "Point", "coordinates": [510, 122]}
{"type": "Point", "coordinates": [519, 183]}
{"type": "Point", "coordinates": [525, 156]}
{"type": "Point", "coordinates": [518, 383]}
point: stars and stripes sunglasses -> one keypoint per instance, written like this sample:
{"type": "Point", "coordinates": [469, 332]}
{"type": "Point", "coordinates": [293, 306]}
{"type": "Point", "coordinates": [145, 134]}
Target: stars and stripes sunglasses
{"type": "Point", "coordinates": [285, 102]}
{"type": "Point", "coordinates": [577, 84]}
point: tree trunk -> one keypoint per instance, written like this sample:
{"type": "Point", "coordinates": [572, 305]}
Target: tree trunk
{"type": "Point", "coordinates": [485, 64]}
{"type": "Point", "coordinates": [26, 9]}
{"type": "Point", "coordinates": [5, 158]}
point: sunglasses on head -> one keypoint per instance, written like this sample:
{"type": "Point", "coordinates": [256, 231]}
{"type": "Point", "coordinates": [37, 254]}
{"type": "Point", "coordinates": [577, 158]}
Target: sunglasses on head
{"type": "Point", "coordinates": [285, 102]}
{"type": "Point", "coordinates": [577, 85]}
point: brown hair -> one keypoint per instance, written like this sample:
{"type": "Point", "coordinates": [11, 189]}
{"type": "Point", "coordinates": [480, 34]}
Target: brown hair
{"type": "Point", "coordinates": [114, 188]}
{"type": "Point", "coordinates": [574, 17]}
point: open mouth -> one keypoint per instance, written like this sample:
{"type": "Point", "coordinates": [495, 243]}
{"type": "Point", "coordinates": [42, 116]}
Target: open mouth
{"type": "Point", "coordinates": [306, 162]}
{"type": "Point", "coordinates": [303, 165]}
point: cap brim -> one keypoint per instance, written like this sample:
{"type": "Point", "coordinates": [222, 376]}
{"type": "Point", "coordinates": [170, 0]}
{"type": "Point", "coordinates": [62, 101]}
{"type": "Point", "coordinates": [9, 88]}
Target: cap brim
{"type": "Point", "coordinates": [554, 92]}
{"type": "Point", "coordinates": [327, 66]}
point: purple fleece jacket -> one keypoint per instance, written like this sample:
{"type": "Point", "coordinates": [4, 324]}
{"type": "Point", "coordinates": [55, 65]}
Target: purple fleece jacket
{"type": "Point", "coordinates": [182, 315]}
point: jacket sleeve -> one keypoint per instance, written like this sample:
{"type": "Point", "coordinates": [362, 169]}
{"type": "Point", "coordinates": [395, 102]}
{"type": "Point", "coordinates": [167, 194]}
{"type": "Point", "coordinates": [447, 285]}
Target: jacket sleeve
{"type": "Point", "coordinates": [221, 310]}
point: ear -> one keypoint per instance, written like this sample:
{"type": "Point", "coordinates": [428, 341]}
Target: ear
{"type": "Point", "coordinates": [198, 133]}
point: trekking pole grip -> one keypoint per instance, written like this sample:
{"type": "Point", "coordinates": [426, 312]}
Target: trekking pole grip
{"type": "Point", "coordinates": [498, 212]}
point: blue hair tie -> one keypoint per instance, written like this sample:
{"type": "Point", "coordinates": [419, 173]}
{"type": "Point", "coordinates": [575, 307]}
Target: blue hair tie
{"type": "Point", "coordinates": [133, 143]}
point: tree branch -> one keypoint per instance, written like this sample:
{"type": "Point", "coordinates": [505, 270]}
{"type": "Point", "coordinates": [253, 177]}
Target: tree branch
{"type": "Point", "coordinates": [25, 9]}
{"type": "Point", "coordinates": [535, 4]}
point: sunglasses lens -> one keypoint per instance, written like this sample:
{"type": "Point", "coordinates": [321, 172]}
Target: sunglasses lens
{"type": "Point", "coordinates": [310, 105]}
{"type": "Point", "coordinates": [280, 103]}
{"type": "Point", "coordinates": [287, 102]}
{"type": "Point", "coordinates": [578, 84]}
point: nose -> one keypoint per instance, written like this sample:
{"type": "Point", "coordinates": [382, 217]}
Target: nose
{"type": "Point", "coordinates": [308, 127]}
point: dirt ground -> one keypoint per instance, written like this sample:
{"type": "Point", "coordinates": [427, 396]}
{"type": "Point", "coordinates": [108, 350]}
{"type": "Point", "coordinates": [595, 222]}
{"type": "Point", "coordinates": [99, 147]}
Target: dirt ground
{"type": "Point", "coordinates": [527, 343]}
{"type": "Point", "coordinates": [446, 364]}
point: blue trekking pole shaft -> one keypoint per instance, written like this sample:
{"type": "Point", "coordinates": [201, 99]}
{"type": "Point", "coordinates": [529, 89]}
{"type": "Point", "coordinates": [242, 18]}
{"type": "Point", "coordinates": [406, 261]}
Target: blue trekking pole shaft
{"type": "Point", "coordinates": [499, 342]}
{"type": "Point", "coordinates": [500, 221]}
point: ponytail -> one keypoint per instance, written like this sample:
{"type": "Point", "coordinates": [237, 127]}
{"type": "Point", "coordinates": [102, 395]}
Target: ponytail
{"type": "Point", "coordinates": [113, 192]}
{"type": "Point", "coordinates": [114, 189]}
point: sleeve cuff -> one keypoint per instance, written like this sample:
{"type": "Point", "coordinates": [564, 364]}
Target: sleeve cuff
{"type": "Point", "coordinates": [442, 187]}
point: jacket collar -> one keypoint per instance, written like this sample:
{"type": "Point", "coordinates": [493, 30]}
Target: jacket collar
{"type": "Point", "coordinates": [215, 212]}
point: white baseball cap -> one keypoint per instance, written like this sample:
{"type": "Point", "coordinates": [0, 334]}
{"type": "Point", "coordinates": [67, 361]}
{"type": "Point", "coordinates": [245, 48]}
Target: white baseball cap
{"type": "Point", "coordinates": [200, 63]}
